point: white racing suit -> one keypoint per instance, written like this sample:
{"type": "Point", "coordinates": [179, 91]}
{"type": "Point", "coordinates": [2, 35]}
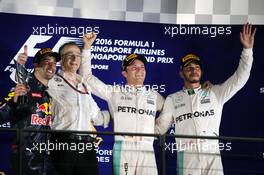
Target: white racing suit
{"type": "Point", "coordinates": [199, 114]}
{"type": "Point", "coordinates": [133, 110]}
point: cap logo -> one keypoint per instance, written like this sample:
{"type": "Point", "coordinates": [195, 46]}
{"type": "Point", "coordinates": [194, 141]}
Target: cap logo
{"type": "Point", "coordinates": [43, 51]}
{"type": "Point", "coordinates": [190, 56]}
{"type": "Point", "coordinates": [130, 57]}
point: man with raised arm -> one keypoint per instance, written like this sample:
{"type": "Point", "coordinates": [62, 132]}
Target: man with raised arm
{"type": "Point", "coordinates": [133, 108]}
{"type": "Point", "coordinates": [198, 112]}
{"type": "Point", "coordinates": [32, 113]}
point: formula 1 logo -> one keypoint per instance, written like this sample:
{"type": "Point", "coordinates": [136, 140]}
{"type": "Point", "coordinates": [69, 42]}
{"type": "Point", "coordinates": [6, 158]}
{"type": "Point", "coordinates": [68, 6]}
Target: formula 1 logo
{"type": "Point", "coordinates": [31, 42]}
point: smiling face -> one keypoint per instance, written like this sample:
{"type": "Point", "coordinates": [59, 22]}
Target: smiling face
{"type": "Point", "coordinates": [71, 58]}
{"type": "Point", "coordinates": [135, 73]}
{"type": "Point", "coordinates": [45, 69]}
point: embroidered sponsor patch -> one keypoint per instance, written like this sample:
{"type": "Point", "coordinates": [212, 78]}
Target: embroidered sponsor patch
{"type": "Point", "coordinates": [179, 98]}
{"type": "Point", "coordinates": [57, 79]}
{"type": "Point", "coordinates": [206, 100]}
{"type": "Point", "coordinates": [36, 120]}
{"type": "Point", "coordinates": [149, 101]}
{"type": "Point", "coordinates": [205, 97]}
{"type": "Point", "coordinates": [126, 98]}
{"type": "Point", "coordinates": [179, 105]}
{"type": "Point", "coordinates": [38, 95]}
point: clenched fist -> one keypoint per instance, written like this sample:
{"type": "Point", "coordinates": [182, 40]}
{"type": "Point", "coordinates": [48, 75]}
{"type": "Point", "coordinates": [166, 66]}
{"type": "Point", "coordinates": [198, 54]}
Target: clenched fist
{"type": "Point", "coordinates": [88, 40]}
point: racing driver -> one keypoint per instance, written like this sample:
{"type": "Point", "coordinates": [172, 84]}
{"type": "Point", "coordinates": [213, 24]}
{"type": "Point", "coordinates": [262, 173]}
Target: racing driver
{"type": "Point", "coordinates": [33, 113]}
{"type": "Point", "coordinates": [198, 112]}
{"type": "Point", "coordinates": [133, 108]}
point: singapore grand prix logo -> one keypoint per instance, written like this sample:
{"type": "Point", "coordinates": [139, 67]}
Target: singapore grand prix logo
{"type": "Point", "coordinates": [31, 42]}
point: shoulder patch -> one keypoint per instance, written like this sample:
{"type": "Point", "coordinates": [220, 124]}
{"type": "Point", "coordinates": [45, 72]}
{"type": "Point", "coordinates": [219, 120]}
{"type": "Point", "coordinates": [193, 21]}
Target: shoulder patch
{"type": "Point", "coordinates": [57, 79]}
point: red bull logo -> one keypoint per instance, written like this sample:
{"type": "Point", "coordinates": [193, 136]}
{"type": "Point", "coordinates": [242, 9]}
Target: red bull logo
{"type": "Point", "coordinates": [36, 120]}
{"type": "Point", "coordinates": [44, 108]}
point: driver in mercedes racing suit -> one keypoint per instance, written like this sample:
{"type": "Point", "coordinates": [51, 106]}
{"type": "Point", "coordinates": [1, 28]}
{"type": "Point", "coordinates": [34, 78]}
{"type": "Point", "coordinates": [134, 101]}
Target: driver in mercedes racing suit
{"type": "Point", "coordinates": [198, 112]}
{"type": "Point", "coordinates": [133, 108]}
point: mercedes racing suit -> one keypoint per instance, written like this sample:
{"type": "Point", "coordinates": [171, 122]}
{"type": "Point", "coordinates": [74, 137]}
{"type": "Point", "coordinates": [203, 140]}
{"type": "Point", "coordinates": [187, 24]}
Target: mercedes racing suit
{"type": "Point", "coordinates": [34, 114]}
{"type": "Point", "coordinates": [133, 110]}
{"type": "Point", "coordinates": [199, 114]}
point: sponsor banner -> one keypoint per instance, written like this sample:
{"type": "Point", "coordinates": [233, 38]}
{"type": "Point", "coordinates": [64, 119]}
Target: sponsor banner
{"type": "Point", "coordinates": [218, 46]}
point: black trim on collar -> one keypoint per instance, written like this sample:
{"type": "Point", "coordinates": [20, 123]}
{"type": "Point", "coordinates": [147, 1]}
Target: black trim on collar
{"type": "Point", "coordinates": [86, 90]}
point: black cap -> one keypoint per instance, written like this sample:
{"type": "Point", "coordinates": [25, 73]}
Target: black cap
{"type": "Point", "coordinates": [42, 53]}
{"type": "Point", "coordinates": [131, 58]}
{"type": "Point", "coordinates": [189, 58]}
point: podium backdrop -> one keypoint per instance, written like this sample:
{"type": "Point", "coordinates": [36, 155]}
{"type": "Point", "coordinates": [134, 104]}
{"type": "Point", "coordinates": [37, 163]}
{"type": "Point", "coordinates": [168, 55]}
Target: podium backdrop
{"type": "Point", "coordinates": [163, 44]}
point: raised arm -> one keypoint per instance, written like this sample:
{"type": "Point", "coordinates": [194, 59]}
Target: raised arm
{"type": "Point", "coordinates": [85, 68]}
{"type": "Point", "coordinates": [247, 36]}
{"type": "Point", "coordinates": [233, 84]}
{"type": "Point", "coordinates": [98, 87]}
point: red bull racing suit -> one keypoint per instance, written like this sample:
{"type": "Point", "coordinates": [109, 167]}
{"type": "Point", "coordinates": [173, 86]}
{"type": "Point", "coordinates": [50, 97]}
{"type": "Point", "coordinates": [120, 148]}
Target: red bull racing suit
{"type": "Point", "coordinates": [33, 114]}
{"type": "Point", "coordinates": [199, 113]}
{"type": "Point", "coordinates": [133, 110]}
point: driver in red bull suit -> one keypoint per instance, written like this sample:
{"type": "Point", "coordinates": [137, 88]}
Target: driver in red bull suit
{"type": "Point", "coordinates": [32, 113]}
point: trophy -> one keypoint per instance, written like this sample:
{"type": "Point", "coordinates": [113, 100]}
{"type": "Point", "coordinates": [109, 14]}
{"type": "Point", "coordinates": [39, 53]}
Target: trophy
{"type": "Point", "coordinates": [22, 78]}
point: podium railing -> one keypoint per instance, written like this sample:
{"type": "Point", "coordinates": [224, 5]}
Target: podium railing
{"type": "Point", "coordinates": [161, 144]}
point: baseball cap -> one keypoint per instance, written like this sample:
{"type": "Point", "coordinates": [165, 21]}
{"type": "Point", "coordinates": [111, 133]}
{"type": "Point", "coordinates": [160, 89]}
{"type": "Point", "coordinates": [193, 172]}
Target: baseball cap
{"type": "Point", "coordinates": [42, 53]}
{"type": "Point", "coordinates": [189, 58]}
{"type": "Point", "coordinates": [131, 58]}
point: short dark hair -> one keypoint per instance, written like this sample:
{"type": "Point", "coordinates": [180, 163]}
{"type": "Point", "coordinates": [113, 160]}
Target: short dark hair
{"type": "Point", "coordinates": [71, 43]}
